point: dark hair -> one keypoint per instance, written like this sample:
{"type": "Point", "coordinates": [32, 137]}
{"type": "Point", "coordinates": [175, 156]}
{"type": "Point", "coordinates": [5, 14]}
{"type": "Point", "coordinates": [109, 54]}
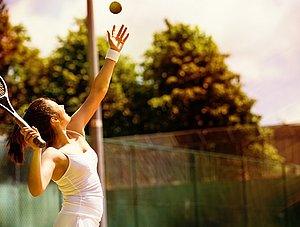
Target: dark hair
{"type": "Point", "coordinates": [38, 115]}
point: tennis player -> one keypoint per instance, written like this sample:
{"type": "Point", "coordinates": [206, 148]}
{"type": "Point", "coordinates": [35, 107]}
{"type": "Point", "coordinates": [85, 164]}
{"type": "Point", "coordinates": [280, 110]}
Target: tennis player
{"type": "Point", "coordinates": [68, 159]}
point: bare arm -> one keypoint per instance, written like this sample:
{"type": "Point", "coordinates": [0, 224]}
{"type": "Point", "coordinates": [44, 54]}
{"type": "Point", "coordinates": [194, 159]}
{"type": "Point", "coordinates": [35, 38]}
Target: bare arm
{"type": "Point", "coordinates": [100, 85]}
{"type": "Point", "coordinates": [41, 166]}
{"type": "Point", "coordinates": [40, 172]}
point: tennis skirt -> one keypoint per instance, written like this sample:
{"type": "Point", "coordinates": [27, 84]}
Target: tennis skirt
{"type": "Point", "coordinates": [71, 220]}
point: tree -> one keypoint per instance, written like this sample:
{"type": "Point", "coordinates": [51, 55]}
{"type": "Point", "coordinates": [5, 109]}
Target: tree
{"type": "Point", "coordinates": [69, 83]}
{"type": "Point", "coordinates": [191, 84]}
{"type": "Point", "coordinates": [20, 64]}
{"type": "Point", "coordinates": [184, 82]}
{"type": "Point", "coordinates": [192, 88]}
{"type": "Point", "coordinates": [68, 69]}
{"type": "Point", "coordinates": [117, 107]}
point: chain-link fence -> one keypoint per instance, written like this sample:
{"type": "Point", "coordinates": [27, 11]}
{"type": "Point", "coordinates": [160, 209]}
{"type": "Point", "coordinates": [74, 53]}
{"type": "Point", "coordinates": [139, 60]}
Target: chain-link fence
{"type": "Point", "coordinates": [153, 185]}
{"type": "Point", "coordinates": [17, 207]}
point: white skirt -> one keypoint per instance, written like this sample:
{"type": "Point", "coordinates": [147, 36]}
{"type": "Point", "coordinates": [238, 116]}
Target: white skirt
{"type": "Point", "coordinates": [71, 220]}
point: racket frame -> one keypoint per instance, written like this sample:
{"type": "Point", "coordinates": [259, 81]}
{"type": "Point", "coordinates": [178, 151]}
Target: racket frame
{"type": "Point", "coordinates": [6, 105]}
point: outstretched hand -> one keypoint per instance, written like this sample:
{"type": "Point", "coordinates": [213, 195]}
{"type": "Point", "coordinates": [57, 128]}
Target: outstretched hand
{"type": "Point", "coordinates": [116, 41]}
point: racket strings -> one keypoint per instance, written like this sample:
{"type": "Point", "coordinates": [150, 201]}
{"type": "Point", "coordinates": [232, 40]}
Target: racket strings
{"type": "Point", "coordinates": [2, 89]}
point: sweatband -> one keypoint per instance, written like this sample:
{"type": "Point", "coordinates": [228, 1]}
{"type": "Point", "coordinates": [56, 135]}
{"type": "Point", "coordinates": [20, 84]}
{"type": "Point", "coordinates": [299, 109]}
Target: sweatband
{"type": "Point", "coordinates": [113, 55]}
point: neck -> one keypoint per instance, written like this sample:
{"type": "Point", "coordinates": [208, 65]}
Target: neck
{"type": "Point", "coordinates": [61, 139]}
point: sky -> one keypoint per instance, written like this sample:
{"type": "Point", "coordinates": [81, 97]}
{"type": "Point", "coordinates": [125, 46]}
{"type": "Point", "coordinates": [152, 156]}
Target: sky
{"type": "Point", "coordinates": [262, 38]}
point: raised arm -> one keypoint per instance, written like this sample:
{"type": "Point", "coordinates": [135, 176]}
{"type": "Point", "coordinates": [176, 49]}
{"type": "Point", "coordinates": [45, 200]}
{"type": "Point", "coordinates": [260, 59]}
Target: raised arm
{"type": "Point", "coordinates": [101, 83]}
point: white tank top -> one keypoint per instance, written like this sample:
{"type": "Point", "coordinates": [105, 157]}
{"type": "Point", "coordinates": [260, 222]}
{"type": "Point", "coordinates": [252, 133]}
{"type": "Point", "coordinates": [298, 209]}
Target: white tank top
{"type": "Point", "coordinates": [81, 187]}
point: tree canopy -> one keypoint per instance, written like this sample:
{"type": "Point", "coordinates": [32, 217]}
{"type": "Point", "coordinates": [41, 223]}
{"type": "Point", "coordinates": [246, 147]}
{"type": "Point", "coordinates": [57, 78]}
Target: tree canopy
{"type": "Point", "coordinates": [69, 83]}
{"type": "Point", "coordinates": [183, 82]}
{"type": "Point", "coordinates": [191, 84]}
{"type": "Point", "coordinates": [20, 64]}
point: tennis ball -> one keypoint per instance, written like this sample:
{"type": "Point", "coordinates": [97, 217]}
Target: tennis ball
{"type": "Point", "coordinates": [115, 7]}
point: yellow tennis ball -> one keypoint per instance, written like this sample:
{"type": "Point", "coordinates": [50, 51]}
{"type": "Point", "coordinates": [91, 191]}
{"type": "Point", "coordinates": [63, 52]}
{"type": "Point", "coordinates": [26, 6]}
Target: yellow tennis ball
{"type": "Point", "coordinates": [115, 7]}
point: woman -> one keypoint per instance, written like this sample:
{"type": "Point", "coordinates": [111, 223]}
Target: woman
{"type": "Point", "coordinates": [68, 159]}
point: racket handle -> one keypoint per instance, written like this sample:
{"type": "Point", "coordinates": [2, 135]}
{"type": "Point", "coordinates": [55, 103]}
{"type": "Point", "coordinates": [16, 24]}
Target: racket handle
{"type": "Point", "coordinates": [39, 142]}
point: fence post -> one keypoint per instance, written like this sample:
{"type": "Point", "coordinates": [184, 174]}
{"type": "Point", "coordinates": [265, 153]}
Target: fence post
{"type": "Point", "coordinates": [134, 185]}
{"type": "Point", "coordinates": [244, 193]}
{"type": "Point", "coordinates": [284, 194]}
{"type": "Point", "coordinates": [193, 173]}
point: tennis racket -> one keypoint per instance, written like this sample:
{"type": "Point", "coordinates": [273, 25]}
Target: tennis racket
{"type": "Point", "coordinates": [6, 105]}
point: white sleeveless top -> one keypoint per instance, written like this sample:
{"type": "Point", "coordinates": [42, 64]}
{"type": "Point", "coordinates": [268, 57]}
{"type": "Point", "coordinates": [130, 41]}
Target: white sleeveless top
{"type": "Point", "coordinates": [81, 187]}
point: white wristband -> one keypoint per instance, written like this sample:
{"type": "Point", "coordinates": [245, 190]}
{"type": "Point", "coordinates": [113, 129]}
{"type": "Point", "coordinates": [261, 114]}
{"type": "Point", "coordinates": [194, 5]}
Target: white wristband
{"type": "Point", "coordinates": [113, 55]}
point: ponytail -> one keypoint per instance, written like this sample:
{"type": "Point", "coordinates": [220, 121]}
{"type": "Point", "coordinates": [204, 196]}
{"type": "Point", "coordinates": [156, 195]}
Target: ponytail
{"type": "Point", "coordinates": [16, 146]}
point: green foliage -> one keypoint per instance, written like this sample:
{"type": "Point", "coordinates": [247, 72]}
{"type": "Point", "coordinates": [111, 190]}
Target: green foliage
{"type": "Point", "coordinates": [117, 107]}
{"type": "Point", "coordinates": [187, 85]}
{"type": "Point", "coordinates": [259, 145]}
{"type": "Point", "coordinates": [68, 80]}
{"type": "Point", "coordinates": [184, 83]}
{"type": "Point", "coordinates": [67, 77]}
{"type": "Point", "coordinates": [20, 64]}
{"type": "Point", "coordinates": [192, 86]}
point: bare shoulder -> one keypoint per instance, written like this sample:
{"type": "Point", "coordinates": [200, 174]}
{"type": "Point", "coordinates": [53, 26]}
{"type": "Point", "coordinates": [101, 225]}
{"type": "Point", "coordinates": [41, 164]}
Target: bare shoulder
{"type": "Point", "coordinates": [53, 154]}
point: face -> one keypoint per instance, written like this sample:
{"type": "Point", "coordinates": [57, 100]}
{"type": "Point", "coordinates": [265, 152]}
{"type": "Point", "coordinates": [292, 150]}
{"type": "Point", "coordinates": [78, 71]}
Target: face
{"type": "Point", "coordinates": [63, 117]}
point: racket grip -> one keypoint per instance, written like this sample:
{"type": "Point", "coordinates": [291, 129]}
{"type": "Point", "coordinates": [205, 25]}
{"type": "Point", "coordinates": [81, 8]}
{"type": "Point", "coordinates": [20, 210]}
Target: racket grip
{"type": "Point", "coordinates": [39, 142]}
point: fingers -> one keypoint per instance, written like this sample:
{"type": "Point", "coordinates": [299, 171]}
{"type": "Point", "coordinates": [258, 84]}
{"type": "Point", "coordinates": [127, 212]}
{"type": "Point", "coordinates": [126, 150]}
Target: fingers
{"type": "Point", "coordinates": [121, 33]}
{"type": "Point", "coordinates": [126, 37]}
{"type": "Point", "coordinates": [113, 30]}
{"type": "Point", "coordinates": [117, 41]}
{"type": "Point", "coordinates": [120, 30]}
{"type": "Point", "coordinates": [29, 135]}
{"type": "Point", "coordinates": [35, 129]}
